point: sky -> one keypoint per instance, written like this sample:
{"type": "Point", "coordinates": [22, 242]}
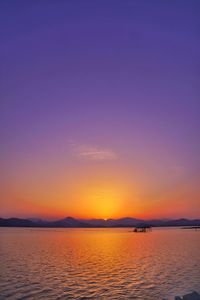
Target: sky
{"type": "Point", "coordinates": [99, 109]}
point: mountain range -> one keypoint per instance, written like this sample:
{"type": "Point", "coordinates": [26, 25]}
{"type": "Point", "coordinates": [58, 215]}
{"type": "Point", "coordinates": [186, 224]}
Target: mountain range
{"type": "Point", "coordinates": [70, 222]}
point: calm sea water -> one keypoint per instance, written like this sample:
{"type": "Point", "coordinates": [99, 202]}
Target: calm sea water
{"type": "Point", "coordinates": [98, 263]}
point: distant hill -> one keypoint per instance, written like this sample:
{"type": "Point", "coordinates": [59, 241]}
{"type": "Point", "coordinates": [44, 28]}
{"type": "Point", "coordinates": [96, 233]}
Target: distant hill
{"type": "Point", "coordinates": [123, 222]}
{"type": "Point", "coordinates": [70, 222]}
{"type": "Point", "coordinates": [15, 222]}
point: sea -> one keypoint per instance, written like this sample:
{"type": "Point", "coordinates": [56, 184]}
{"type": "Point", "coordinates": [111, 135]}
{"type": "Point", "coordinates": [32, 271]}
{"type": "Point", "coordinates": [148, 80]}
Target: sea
{"type": "Point", "coordinates": [43, 263]}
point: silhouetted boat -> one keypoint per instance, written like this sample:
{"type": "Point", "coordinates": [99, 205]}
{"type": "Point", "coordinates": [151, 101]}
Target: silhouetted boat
{"type": "Point", "coordinates": [144, 228]}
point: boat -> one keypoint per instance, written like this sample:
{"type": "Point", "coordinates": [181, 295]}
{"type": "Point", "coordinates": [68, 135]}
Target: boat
{"type": "Point", "coordinates": [143, 228]}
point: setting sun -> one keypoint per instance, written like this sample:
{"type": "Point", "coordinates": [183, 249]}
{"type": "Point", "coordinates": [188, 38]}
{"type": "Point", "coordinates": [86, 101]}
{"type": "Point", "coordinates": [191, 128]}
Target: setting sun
{"type": "Point", "coordinates": [101, 201]}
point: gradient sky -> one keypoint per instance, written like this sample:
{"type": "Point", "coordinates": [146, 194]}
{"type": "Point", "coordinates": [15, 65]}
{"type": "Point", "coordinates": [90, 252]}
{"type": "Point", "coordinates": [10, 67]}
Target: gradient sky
{"type": "Point", "coordinates": [100, 109]}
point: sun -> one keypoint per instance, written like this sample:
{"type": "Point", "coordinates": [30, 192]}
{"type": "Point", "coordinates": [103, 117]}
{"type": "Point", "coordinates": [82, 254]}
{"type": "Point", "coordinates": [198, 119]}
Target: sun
{"type": "Point", "coordinates": [105, 203]}
{"type": "Point", "coordinates": [98, 199]}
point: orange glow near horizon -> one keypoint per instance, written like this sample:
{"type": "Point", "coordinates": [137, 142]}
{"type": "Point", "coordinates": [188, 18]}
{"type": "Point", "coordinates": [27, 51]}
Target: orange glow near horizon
{"type": "Point", "coordinates": [96, 194]}
{"type": "Point", "coordinates": [101, 201]}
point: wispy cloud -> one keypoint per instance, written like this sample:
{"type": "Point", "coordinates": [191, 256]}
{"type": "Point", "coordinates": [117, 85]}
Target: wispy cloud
{"type": "Point", "coordinates": [92, 152]}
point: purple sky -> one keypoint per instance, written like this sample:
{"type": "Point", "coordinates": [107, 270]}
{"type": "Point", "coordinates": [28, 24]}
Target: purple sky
{"type": "Point", "coordinates": [106, 79]}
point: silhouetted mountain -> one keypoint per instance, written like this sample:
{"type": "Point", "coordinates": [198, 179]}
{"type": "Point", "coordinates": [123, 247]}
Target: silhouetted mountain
{"type": "Point", "coordinates": [16, 222]}
{"type": "Point", "coordinates": [37, 220]}
{"type": "Point", "coordinates": [178, 222]}
{"type": "Point", "coordinates": [123, 222]}
{"type": "Point", "coordinates": [70, 222]}
{"type": "Point", "coordinates": [95, 222]}
{"type": "Point", "coordinates": [182, 222]}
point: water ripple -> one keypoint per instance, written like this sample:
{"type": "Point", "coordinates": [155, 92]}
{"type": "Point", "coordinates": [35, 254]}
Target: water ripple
{"type": "Point", "coordinates": [104, 264]}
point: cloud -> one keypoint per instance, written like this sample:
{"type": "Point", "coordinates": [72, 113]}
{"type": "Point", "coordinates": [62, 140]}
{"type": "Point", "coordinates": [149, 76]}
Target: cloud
{"type": "Point", "coordinates": [93, 152]}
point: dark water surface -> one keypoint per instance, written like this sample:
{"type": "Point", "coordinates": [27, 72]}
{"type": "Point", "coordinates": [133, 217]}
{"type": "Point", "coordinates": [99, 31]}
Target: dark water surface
{"type": "Point", "coordinates": [98, 263]}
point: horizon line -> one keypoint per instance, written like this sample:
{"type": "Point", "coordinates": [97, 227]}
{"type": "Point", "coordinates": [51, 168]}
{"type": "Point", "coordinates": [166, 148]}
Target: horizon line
{"type": "Point", "coordinates": [104, 219]}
